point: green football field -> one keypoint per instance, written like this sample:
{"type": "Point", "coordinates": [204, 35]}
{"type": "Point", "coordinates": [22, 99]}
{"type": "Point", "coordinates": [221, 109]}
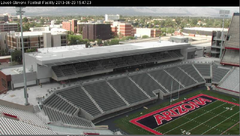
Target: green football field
{"type": "Point", "coordinates": [215, 118]}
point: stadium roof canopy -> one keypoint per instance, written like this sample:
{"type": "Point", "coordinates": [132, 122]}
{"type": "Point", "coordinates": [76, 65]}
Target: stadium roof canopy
{"type": "Point", "coordinates": [74, 54]}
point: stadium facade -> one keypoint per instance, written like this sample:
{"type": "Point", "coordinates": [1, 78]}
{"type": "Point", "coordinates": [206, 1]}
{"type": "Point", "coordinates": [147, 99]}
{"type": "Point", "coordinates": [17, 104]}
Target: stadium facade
{"type": "Point", "coordinates": [71, 62]}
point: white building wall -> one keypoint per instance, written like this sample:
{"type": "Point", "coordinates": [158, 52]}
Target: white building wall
{"type": "Point", "coordinates": [143, 31]}
{"type": "Point", "coordinates": [47, 40]}
{"type": "Point", "coordinates": [37, 29]}
{"type": "Point", "coordinates": [30, 62]}
{"type": "Point", "coordinates": [43, 72]}
{"type": "Point", "coordinates": [56, 40]}
{"type": "Point", "coordinates": [111, 17]}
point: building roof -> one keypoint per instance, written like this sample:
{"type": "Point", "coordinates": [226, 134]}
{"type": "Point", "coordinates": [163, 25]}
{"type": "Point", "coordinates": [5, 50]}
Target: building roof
{"type": "Point", "coordinates": [57, 30]}
{"type": "Point", "coordinates": [35, 33]}
{"type": "Point", "coordinates": [209, 29]}
{"type": "Point", "coordinates": [79, 54]}
{"type": "Point", "coordinates": [6, 23]}
{"type": "Point", "coordinates": [179, 37]}
{"type": "Point", "coordinates": [14, 70]}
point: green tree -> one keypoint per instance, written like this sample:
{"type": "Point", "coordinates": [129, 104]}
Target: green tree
{"type": "Point", "coordinates": [31, 50]}
{"type": "Point", "coordinates": [114, 41]}
{"type": "Point", "coordinates": [145, 36]}
{"type": "Point", "coordinates": [42, 21]}
{"type": "Point", "coordinates": [58, 22]}
{"type": "Point", "coordinates": [163, 32]}
{"type": "Point", "coordinates": [25, 20]}
{"type": "Point", "coordinates": [178, 21]}
{"type": "Point", "coordinates": [194, 21]}
{"type": "Point", "coordinates": [99, 41]}
{"type": "Point", "coordinates": [162, 23]}
{"type": "Point", "coordinates": [17, 56]}
{"type": "Point", "coordinates": [169, 23]}
{"type": "Point", "coordinates": [26, 27]}
{"type": "Point", "coordinates": [74, 39]}
{"type": "Point", "coordinates": [106, 43]}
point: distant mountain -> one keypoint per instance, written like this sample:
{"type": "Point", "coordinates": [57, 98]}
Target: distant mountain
{"type": "Point", "coordinates": [131, 11]}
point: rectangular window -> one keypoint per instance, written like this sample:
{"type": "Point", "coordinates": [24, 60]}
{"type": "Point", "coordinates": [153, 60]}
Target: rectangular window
{"type": "Point", "coordinates": [4, 83]}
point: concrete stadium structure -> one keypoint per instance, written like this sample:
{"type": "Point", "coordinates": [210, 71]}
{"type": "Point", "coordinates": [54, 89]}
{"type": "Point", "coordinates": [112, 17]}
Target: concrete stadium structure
{"type": "Point", "coordinates": [101, 98]}
{"type": "Point", "coordinates": [231, 45]}
{"type": "Point", "coordinates": [63, 63]}
{"type": "Point", "coordinates": [129, 77]}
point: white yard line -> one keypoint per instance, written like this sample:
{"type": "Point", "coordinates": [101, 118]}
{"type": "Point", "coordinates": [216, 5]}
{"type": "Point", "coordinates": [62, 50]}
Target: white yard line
{"type": "Point", "coordinates": [220, 115]}
{"type": "Point", "coordinates": [203, 124]}
{"type": "Point", "coordinates": [195, 117]}
{"type": "Point", "coordinates": [219, 123]}
{"type": "Point", "coordinates": [208, 120]}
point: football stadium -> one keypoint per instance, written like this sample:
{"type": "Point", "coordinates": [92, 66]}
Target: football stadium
{"type": "Point", "coordinates": [135, 88]}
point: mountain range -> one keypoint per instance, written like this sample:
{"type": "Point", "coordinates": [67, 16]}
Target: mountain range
{"type": "Point", "coordinates": [130, 11]}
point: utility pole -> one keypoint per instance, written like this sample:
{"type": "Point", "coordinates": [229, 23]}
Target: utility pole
{"type": "Point", "coordinates": [20, 12]}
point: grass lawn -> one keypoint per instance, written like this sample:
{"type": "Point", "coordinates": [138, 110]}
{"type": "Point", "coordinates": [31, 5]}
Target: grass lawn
{"type": "Point", "coordinates": [213, 118]}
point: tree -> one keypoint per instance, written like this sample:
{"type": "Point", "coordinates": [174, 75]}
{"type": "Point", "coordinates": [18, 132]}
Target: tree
{"type": "Point", "coordinates": [99, 41]}
{"type": "Point", "coordinates": [106, 43]}
{"type": "Point", "coordinates": [114, 41]}
{"type": "Point", "coordinates": [178, 21]}
{"type": "Point", "coordinates": [17, 56]}
{"type": "Point", "coordinates": [145, 36]}
{"type": "Point", "coordinates": [41, 21]}
{"type": "Point", "coordinates": [163, 31]}
{"type": "Point", "coordinates": [25, 20]}
{"type": "Point", "coordinates": [162, 23]}
{"type": "Point", "coordinates": [3, 52]}
{"type": "Point", "coordinates": [19, 28]}
{"type": "Point", "coordinates": [31, 50]}
{"type": "Point", "coordinates": [58, 22]}
{"type": "Point", "coordinates": [26, 27]}
{"type": "Point", "coordinates": [169, 23]}
{"type": "Point", "coordinates": [74, 39]}
{"type": "Point", "coordinates": [194, 21]}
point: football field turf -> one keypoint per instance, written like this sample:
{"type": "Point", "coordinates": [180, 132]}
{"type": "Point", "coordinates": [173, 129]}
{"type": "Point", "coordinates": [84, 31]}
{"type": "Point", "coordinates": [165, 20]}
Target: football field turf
{"type": "Point", "coordinates": [214, 117]}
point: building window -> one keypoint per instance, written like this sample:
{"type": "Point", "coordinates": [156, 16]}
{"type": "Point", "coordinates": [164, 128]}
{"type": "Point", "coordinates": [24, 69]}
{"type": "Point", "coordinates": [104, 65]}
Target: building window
{"type": "Point", "coordinates": [4, 83]}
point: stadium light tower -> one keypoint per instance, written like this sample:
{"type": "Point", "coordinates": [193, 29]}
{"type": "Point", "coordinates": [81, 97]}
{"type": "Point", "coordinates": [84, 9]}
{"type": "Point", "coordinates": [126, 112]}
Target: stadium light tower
{"type": "Point", "coordinates": [20, 12]}
{"type": "Point", "coordinates": [223, 14]}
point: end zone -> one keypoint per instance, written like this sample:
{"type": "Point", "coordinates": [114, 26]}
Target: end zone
{"type": "Point", "coordinates": [159, 117]}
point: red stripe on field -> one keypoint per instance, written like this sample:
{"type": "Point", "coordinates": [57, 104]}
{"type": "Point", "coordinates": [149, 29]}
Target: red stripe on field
{"type": "Point", "coordinates": [221, 100]}
{"type": "Point", "coordinates": [145, 127]}
{"type": "Point", "coordinates": [134, 121]}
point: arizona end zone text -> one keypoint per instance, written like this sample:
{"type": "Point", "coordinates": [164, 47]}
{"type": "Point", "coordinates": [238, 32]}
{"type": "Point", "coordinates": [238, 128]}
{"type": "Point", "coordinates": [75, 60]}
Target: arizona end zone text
{"type": "Point", "coordinates": [157, 118]}
{"type": "Point", "coordinates": [180, 110]}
